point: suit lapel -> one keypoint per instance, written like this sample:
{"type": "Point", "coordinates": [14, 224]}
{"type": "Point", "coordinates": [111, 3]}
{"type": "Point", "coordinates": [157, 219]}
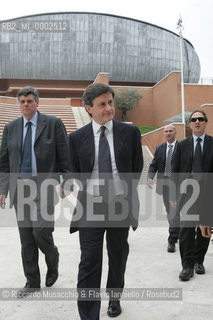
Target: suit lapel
{"type": "Point", "coordinates": [40, 125]}
{"type": "Point", "coordinates": [19, 128]}
{"type": "Point", "coordinates": [190, 147]}
{"type": "Point", "coordinates": [173, 153]}
{"type": "Point", "coordinates": [206, 150]}
{"type": "Point", "coordinates": [176, 143]}
{"type": "Point", "coordinates": [88, 145]}
{"type": "Point", "coordinates": [118, 139]}
{"type": "Point", "coordinates": [206, 143]}
{"type": "Point", "coordinates": [164, 147]}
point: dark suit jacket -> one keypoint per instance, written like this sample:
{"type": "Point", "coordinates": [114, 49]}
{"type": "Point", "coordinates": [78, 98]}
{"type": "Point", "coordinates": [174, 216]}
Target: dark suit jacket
{"type": "Point", "coordinates": [51, 151]}
{"type": "Point", "coordinates": [158, 165]}
{"type": "Point", "coordinates": [128, 158]}
{"type": "Point", "coordinates": [183, 163]}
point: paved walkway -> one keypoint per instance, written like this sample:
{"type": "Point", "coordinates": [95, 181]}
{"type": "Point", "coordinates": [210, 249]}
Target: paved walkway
{"type": "Point", "coordinates": [150, 267]}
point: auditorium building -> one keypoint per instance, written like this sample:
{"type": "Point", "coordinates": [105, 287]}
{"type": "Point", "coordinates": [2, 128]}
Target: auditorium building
{"type": "Point", "coordinates": [62, 53]}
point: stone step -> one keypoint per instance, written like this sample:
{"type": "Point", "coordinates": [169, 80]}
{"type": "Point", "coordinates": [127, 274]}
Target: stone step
{"type": "Point", "coordinates": [59, 108]}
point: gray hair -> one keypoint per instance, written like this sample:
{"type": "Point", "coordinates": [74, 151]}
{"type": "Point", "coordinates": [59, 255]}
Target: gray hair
{"type": "Point", "coordinates": [26, 91]}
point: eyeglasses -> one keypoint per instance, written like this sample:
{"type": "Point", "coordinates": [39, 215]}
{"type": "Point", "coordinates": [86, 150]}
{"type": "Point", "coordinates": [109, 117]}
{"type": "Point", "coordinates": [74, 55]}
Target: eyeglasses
{"type": "Point", "coordinates": [200, 119]}
{"type": "Point", "coordinates": [28, 101]}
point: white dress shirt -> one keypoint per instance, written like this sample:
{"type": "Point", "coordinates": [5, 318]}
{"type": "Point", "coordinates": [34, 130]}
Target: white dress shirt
{"type": "Point", "coordinates": [116, 179]}
{"type": "Point", "coordinates": [33, 127]}
{"type": "Point", "coordinates": [201, 142]}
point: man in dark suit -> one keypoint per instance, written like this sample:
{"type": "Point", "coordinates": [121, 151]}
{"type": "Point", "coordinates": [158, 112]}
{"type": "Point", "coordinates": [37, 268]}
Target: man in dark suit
{"type": "Point", "coordinates": [34, 148]}
{"type": "Point", "coordinates": [192, 166]}
{"type": "Point", "coordinates": [162, 164]}
{"type": "Point", "coordinates": [116, 208]}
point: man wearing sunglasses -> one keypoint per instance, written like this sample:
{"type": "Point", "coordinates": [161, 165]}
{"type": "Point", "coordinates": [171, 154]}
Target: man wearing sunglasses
{"type": "Point", "coordinates": [193, 160]}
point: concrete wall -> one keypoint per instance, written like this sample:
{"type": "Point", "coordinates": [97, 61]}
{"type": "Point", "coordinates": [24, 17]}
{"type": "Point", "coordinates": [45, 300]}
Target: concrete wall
{"type": "Point", "coordinates": [164, 100]}
{"type": "Point", "coordinates": [158, 103]}
{"type": "Point", "coordinates": [143, 113]}
{"type": "Point", "coordinates": [209, 112]}
{"type": "Point", "coordinates": [197, 95]}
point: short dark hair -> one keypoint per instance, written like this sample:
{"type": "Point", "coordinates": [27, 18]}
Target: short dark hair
{"type": "Point", "coordinates": [95, 90]}
{"type": "Point", "coordinates": [200, 111]}
{"type": "Point", "coordinates": [26, 91]}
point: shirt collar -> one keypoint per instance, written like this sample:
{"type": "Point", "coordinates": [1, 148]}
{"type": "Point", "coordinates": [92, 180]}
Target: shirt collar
{"type": "Point", "coordinates": [173, 143]}
{"type": "Point", "coordinates": [33, 120]}
{"type": "Point", "coordinates": [201, 137]}
{"type": "Point", "coordinates": [96, 126]}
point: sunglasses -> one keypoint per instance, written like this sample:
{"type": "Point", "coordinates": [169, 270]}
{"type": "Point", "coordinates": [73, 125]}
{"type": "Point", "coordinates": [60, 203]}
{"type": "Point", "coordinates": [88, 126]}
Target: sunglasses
{"type": "Point", "coordinates": [200, 119]}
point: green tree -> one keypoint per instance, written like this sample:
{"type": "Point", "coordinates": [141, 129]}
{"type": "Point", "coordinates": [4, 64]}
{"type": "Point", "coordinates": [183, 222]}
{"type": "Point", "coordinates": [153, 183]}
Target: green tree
{"type": "Point", "coordinates": [126, 100]}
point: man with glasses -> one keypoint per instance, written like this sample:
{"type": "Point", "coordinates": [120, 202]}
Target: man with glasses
{"type": "Point", "coordinates": [193, 160]}
{"type": "Point", "coordinates": [34, 148]}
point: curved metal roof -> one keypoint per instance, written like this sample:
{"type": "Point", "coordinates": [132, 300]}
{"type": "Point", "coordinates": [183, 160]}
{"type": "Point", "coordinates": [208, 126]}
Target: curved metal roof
{"type": "Point", "coordinates": [79, 45]}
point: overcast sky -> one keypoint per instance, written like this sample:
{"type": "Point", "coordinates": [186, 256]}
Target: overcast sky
{"type": "Point", "coordinates": [197, 16]}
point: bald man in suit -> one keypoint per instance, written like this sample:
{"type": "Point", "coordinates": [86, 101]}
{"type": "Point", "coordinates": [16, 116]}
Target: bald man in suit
{"type": "Point", "coordinates": [162, 163]}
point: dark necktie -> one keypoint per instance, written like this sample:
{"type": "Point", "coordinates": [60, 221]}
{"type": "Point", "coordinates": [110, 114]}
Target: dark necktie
{"type": "Point", "coordinates": [197, 161]}
{"type": "Point", "coordinates": [104, 166]}
{"type": "Point", "coordinates": [104, 158]}
{"type": "Point", "coordinates": [168, 166]}
{"type": "Point", "coordinates": [26, 163]}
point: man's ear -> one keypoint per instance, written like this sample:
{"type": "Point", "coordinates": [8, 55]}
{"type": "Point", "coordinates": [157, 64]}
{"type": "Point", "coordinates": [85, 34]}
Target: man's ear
{"type": "Point", "coordinates": [88, 108]}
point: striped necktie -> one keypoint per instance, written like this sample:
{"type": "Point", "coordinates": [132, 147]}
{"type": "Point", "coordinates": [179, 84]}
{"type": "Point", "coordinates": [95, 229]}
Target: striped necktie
{"type": "Point", "coordinates": [168, 166]}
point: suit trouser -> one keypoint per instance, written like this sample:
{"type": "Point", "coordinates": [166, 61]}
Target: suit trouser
{"type": "Point", "coordinates": [90, 267]}
{"type": "Point", "coordinates": [35, 232]}
{"type": "Point", "coordinates": [173, 217]}
{"type": "Point", "coordinates": [193, 246]}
